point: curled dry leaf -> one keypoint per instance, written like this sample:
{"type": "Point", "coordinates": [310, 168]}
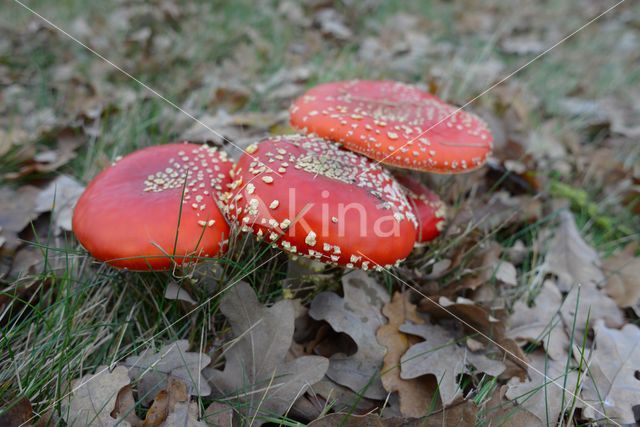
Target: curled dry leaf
{"type": "Point", "coordinates": [549, 387]}
{"type": "Point", "coordinates": [151, 370]}
{"type": "Point", "coordinates": [94, 397]}
{"type": "Point", "coordinates": [176, 292]}
{"type": "Point", "coordinates": [441, 356]}
{"type": "Point", "coordinates": [571, 258]}
{"type": "Point", "coordinates": [358, 315]}
{"type": "Point", "coordinates": [541, 322]}
{"type": "Point", "coordinates": [165, 402]}
{"type": "Point", "coordinates": [416, 395]}
{"type": "Point", "coordinates": [256, 373]}
{"type": "Point", "coordinates": [612, 386]}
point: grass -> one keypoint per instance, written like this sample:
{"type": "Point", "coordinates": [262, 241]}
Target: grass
{"type": "Point", "coordinates": [76, 315]}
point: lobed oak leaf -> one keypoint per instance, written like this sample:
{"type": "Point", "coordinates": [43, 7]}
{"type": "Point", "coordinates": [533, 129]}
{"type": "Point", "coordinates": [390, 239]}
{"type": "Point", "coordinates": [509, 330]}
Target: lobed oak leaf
{"type": "Point", "coordinates": [358, 314]}
{"type": "Point", "coordinates": [257, 373]}
{"type": "Point", "coordinates": [612, 386]}
{"type": "Point", "coordinates": [416, 395]}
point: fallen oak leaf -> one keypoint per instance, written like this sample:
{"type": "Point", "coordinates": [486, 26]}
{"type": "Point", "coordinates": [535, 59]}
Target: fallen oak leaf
{"type": "Point", "coordinates": [623, 273]}
{"type": "Point", "coordinates": [461, 415]}
{"type": "Point", "coordinates": [544, 394]}
{"type": "Point", "coordinates": [68, 140]}
{"type": "Point", "coordinates": [94, 397]}
{"type": "Point", "coordinates": [541, 322]}
{"type": "Point", "coordinates": [185, 414]}
{"type": "Point", "coordinates": [328, 394]}
{"type": "Point", "coordinates": [440, 355]}
{"type": "Point", "coordinates": [152, 371]}
{"type": "Point", "coordinates": [350, 420]}
{"type": "Point", "coordinates": [416, 395]}
{"type": "Point", "coordinates": [18, 210]}
{"type": "Point", "coordinates": [570, 258]}
{"type": "Point", "coordinates": [218, 415]}
{"type": "Point", "coordinates": [125, 407]}
{"type": "Point", "coordinates": [165, 402]}
{"type": "Point", "coordinates": [500, 411]}
{"type": "Point", "coordinates": [358, 315]}
{"type": "Point", "coordinates": [475, 319]}
{"type": "Point", "coordinates": [586, 304]}
{"type": "Point", "coordinates": [60, 197]}
{"type": "Point", "coordinates": [612, 386]}
{"type": "Point", "coordinates": [256, 372]}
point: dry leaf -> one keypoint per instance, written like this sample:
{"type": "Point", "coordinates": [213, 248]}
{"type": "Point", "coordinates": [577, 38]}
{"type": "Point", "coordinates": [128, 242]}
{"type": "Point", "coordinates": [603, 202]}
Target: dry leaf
{"type": "Point", "coordinates": [185, 414]}
{"type": "Point", "coordinates": [541, 322]}
{"type": "Point", "coordinates": [17, 413]}
{"type": "Point", "coordinates": [588, 304]}
{"type": "Point", "coordinates": [350, 420]}
{"type": "Point", "coordinates": [623, 278]}
{"type": "Point", "coordinates": [428, 357]}
{"type": "Point", "coordinates": [499, 211]}
{"type": "Point", "coordinates": [461, 415]}
{"type": "Point", "coordinates": [612, 386]}
{"type": "Point", "coordinates": [18, 210]}
{"type": "Point", "coordinates": [543, 394]}
{"type": "Point", "coordinates": [416, 395]}
{"type": "Point", "coordinates": [218, 415]}
{"type": "Point", "coordinates": [327, 393]}
{"type": "Point", "coordinates": [358, 315]}
{"type": "Point", "coordinates": [51, 159]}
{"type": "Point", "coordinates": [571, 258]}
{"type": "Point", "coordinates": [125, 407]}
{"type": "Point", "coordinates": [176, 292]}
{"type": "Point", "coordinates": [332, 24]}
{"type": "Point", "coordinates": [476, 319]}
{"type": "Point", "coordinates": [441, 356]}
{"type": "Point", "coordinates": [499, 411]}
{"type": "Point", "coordinates": [151, 371]}
{"type": "Point", "coordinates": [165, 402]}
{"type": "Point", "coordinates": [60, 197]}
{"type": "Point", "coordinates": [94, 397]}
{"type": "Point", "coordinates": [256, 372]}
{"type": "Point", "coordinates": [506, 273]}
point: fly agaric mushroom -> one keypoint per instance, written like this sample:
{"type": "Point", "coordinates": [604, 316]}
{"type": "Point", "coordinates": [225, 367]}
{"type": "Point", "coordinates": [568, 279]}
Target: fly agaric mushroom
{"type": "Point", "coordinates": [429, 210]}
{"type": "Point", "coordinates": [325, 203]}
{"type": "Point", "coordinates": [396, 124]}
{"type": "Point", "coordinates": [155, 207]}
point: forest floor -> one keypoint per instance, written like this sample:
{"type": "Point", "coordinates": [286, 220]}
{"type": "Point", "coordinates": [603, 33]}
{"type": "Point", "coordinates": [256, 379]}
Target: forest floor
{"type": "Point", "coordinates": [524, 312]}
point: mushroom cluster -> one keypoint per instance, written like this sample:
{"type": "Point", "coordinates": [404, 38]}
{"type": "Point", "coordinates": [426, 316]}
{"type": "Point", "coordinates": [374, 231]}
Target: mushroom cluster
{"type": "Point", "coordinates": [322, 194]}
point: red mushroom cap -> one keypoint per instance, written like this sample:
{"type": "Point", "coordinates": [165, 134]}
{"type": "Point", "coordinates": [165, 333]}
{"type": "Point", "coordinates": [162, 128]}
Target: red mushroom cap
{"type": "Point", "coordinates": [128, 216]}
{"type": "Point", "coordinates": [324, 202]}
{"type": "Point", "coordinates": [429, 210]}
{"type": "Point", "coordinates": [396, 124]}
